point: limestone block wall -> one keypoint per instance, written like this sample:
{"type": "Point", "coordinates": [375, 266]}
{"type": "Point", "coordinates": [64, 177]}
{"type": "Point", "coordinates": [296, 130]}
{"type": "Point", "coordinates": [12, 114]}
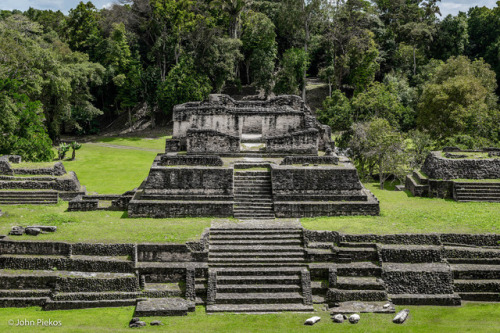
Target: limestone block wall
{"type": "Point", "coordinates": [311, 159]}
{"type": "Point", "coordinates": [308, 181]}
{"type": "Point", "coordinates": [438, 167]}
{"type": "Point", "coordinates": [422, 278]}
{"type": "Point", "coordinates": [193, 180]}
{"type": "Point", "coordinates": [201, 160]}
{"type": "Point", "coordinates": [211, 141]}
{"type": "Point", "coordinates": [300, 142]}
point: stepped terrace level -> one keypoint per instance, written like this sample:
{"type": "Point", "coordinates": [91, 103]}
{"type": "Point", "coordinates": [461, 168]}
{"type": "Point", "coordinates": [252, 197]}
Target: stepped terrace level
{"type": "Point", "coordinates": [463, 175]}
{"type": "Point", "coordinates": [222, 162]}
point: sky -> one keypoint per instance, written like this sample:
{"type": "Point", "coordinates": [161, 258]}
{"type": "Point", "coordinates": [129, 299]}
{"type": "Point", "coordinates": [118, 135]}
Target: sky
{"type": "Point", "coordinates": [447, 6]}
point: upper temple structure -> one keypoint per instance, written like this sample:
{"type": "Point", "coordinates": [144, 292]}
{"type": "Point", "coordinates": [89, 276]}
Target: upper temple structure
{"type": "Point", "coordinates": [251, 160]}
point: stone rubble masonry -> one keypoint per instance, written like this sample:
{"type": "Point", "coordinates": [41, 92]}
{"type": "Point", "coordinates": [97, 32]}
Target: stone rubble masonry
{"type": "Point", "coordinates": [206, 141]}
{"type": "Point", "coordinates": [299, 142]}
{"type": "Point", "coordinates": [310, 159]}
{"type": "Point", "coordinates": [439, 167]}
{"type": "Point", "coordinates": [197, 160]}
{"type": "Point", "coordinates": [421, 278]}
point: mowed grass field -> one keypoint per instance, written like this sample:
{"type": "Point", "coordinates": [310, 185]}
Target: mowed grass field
{"type": "Point", "coordinates": [472, 317]}
{"type": "Point", "coordinates": [115, 165]}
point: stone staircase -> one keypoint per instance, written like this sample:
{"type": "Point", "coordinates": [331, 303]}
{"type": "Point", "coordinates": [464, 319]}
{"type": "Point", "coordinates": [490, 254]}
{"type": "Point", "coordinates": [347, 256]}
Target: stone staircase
{"type": "Point", "coordinates": [253, 195]}
{"type": "Point", "coordinates": [476, 272]}
{"type": "Point", "coordinates": [475, 191]}
{"type": "Point", "coordinates": [257, 270]}
{"type": "Point", "coordinates": [16, 197]}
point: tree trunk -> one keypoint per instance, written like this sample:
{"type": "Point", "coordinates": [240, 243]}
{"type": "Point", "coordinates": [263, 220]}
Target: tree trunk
{"type": "Point", "coordinates": [414, 60]}
{"type": "Point", "coordinates": [73, 154]}
{"type": "Point", "coordinates": [129, 117]}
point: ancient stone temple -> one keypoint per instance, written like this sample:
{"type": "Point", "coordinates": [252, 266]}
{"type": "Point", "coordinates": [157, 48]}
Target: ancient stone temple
{"type": "Point", "coordinates": [250, 159]}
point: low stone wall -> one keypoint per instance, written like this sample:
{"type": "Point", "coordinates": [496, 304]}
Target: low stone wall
{"type": "Point", "coordinates": [16, 159]}
{"type": "Point", "coordinates": [66, 184]}
{"type": "Point", "coordinates": [471, 239]}
{"type": "Point", "coordinates": [301, 142]}
{"type": "Point", "coordinates": [172, 145]}
{"type": "Point", "coordinates": [191, 181]}
{"type": "Point", "coordinates": [414, 239]}
{"type": "Point", "coordinates": [312, 209]}
{"type": "Point", "coordinates": [210, 141]}
{"type": "Point", "coordinates": [79, 205]}
{"type": "Point", "coordinates": [165, 209]}
{"type": "Point", "coordinates": [411, 253]}
{"type": "Point", "coordinates": [65, 264]}
{"type": "Point", "coordinates": [31, 247]}
{"type": "Point", "coordinates": [202, 160]}
{"type": "Point", "coordinates": [313, 160]}
{"type": "Point", "coordinates": [438, 167]}
{"type": "Point", "coordinates": [5, 168]}
{"type": "Point", "coordinates": [320, 180]}
{"type": "Point", "coordinates": [428, 278]}
{"type": "Point", "coordinates": [163, 252]}
{"type": "Point", "coordinates": [98, 249]}
{"type": "Point", "coordinates": [57, 170]}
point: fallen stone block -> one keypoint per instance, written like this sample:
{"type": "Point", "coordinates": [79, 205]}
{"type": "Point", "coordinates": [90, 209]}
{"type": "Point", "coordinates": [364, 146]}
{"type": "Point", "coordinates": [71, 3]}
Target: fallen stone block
{"type": "Point", "coordinates": [401, 316]}
{"type": "Point", "coordinates": [33, 231]}
{"type": "Point", "coordinates": [156, 323]}
{"type": "Point", "coordinates": [44, 228]}
{"type": "Point", "coordinates": [313, 320]}
{"type": "Point", "coordinates": [16, 231]}
{"type": "Point", "coordinates": [171, 306]}
{"type": "Point", "coordinates": [339, 318]}
{"type": "Point", "coordinates": [354, 319]}
{"type": "Point", "coordinates": [136, 322]}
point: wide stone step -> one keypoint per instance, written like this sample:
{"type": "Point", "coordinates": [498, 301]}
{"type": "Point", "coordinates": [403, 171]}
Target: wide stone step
{"type": "Point", "coordinates": [471, 199]}
{"type": "Point", "coordinates": [276, 242]}
{"type": "Point", "coordinates": [249, 212]}
{"type": "Point", "coordinates": [248, 279]}
{"type": "Point", "coordinates": [480, 296]}
{"type": "Point", "coordinates": [9, 293]}
{"type": "Point", "coordinates": [256, 271]}
{"type": "Point", "coordinates": [473, 261]}
{"type": "Point", "coordinates": [258, 298]}
{"type": "Point", "coordinates": [476, 185]}
{"type": "Point", "coordinates": [22, 302]}
{"type": "Point", "coordinates": [358, 245]}
{"type": "Point", "coordinates": [27, 193]}
{"type": "Point", "coordinates": [478, 191]}
{"type": "Point", "coordinates": [249, 236]}
{"type": "Point", "coordinates": [258, 288]}
{"type": "Point", "coordinates": [253, 248]}
{"type": "Point", "coordinates": [296, 254]}
{"type": "Point", "coordinates": [359, 254]}
{"type": "Point", "coordinates": [94, 296]}
{"type": "Point", "coordinates": [335, 295]}
{"type": "Point", "coordinates": [470, 252]}
{"type": "Point", "coordinates": [262, 265]}
{"type": "Point", "coordinates": [359, 283]}
{"type": "Point", "coordinates": [39, 202]}
{"type": "Point", "coordinates": [67, 305]}
{"type": "Point", "coordinates": [254, 198]}
{"type": "Point", "coordinates": [259, 308]}
{"type": "Point", "coordinates": [358, 269]}
{"type": "Point", "coordinates": [253, 231]}
{"type": "Point", "coordinates": [425, 299]}
{"type": "Point", "coordinates": [248, 205]}
{"type": "Point", "coordinates": [475, 272]}
{"type": "Point", "coordinates": [477, 286]}
{"type": "Point", "coordinates": [254, 260]}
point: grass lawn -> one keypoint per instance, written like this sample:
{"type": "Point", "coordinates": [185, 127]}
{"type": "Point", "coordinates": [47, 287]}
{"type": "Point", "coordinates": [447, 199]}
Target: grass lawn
{"type": "Point", "coordinates": [137, 142]}
{"type": "Point", "coordinates": [472, 317]}
{"type": "Point", "coordinates": [400, 213]}
{"type": "Point", "coordinates": [110, 170]}
{"type": "Point", "coordinates": [100, 226]}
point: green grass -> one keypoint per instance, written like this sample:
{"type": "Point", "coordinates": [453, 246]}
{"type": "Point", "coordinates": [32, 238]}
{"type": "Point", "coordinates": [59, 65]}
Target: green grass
{"type": "Point", "coordinates": [110, 170]}
{"type": "Point", "coordinates": [100, 226]}
{"type": "Point", "coordinates": [32, 165]}
{"type": "Point", "coordinates": [477, 180]}
{"type": "Point", "coordinates": [401, 213]}
{"type": "Point", "coordinates": [472, 317]}
{"type": "Point", "coordinates": [138, 142]}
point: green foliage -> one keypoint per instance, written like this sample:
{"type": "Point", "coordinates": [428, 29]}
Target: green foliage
{"type": "Point", "coordinates": [378, 101]}
{"type": "Point", "coordinates": [336, 112]}
{"type": "Point", "coordinates": [376, 145]}
{"type": "Point", "coordinates": [82, 29]}
{"type": "Point", "coordinates": [260, 49]}
{"type": "Point", "coordinates": [290, 77]}
{"type": "Point", "coordinates": [21, 122]}
{"type": "Point", "coordinates": [62, 150]}
{"type": "Point", "coordinates": [460, 99]}
{"type": "Point", "coordinates": [74, 146]}
{"type": "Point", "coordinates": [183, 84]}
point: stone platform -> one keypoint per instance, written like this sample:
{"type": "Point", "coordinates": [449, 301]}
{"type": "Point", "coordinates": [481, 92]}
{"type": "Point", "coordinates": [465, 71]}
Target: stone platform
{"type": "Point", "coordinates": [162, 307]}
